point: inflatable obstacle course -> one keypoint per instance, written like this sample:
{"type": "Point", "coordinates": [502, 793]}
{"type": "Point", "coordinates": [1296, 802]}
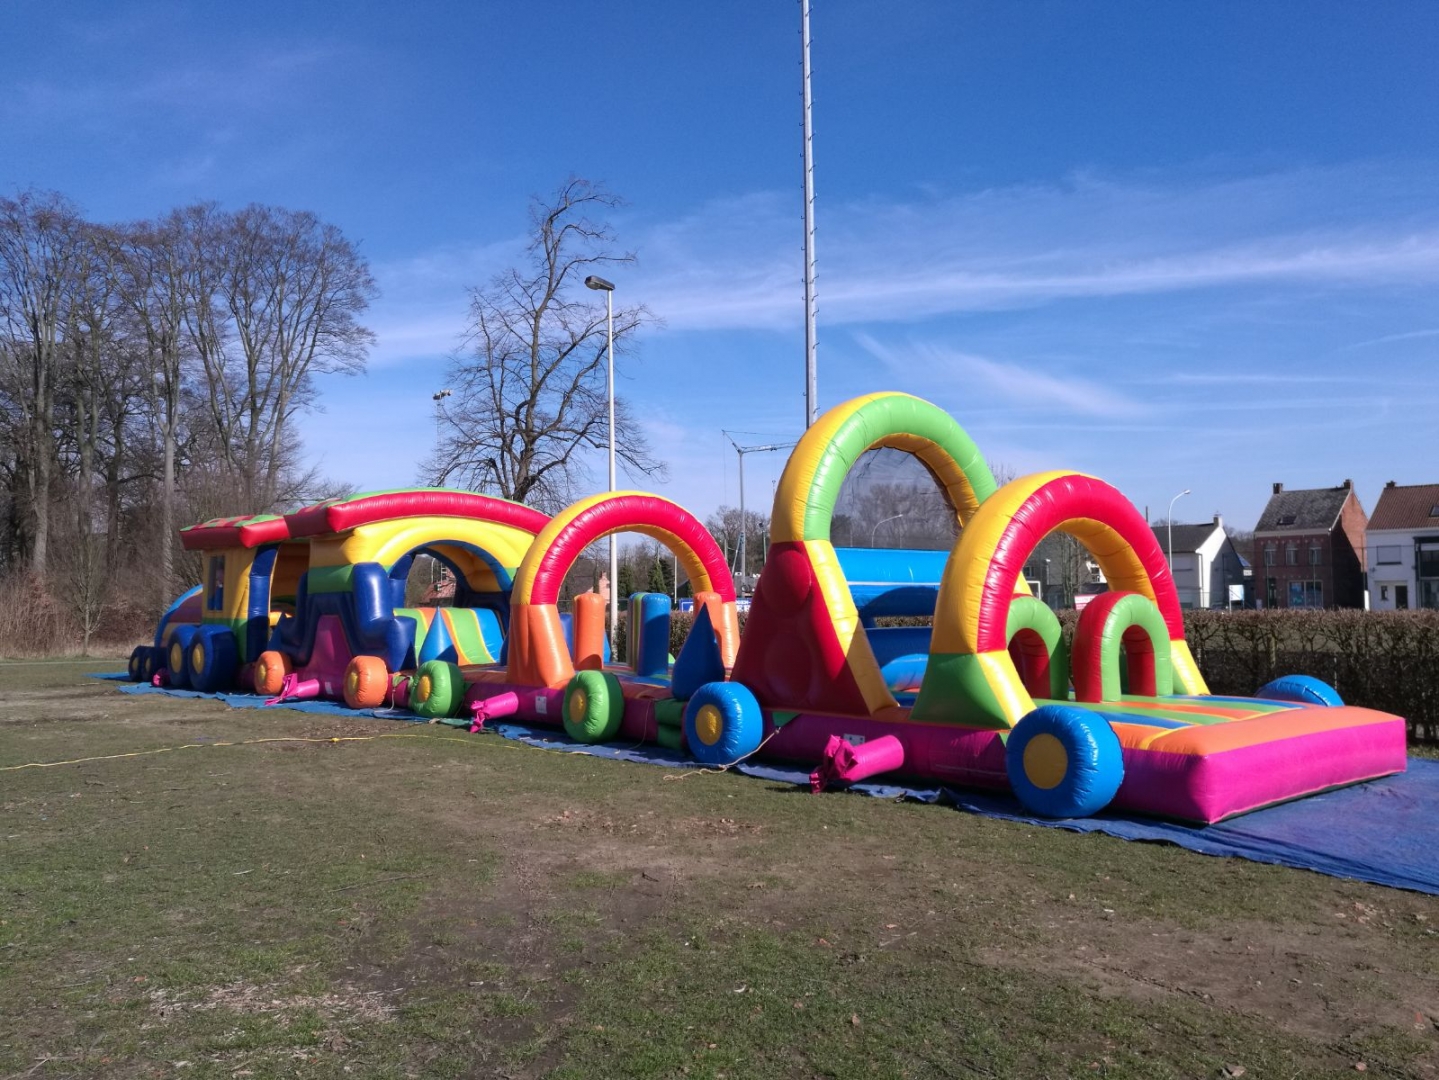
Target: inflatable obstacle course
{"type": "Point", "coordinates": [987, 695]}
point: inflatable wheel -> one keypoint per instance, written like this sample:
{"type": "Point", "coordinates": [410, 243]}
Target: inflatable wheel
{"type": "Point", "coordinates": [367, 683]}
{"type": "Point", "coordinates": [594, 706]}
{"type": "Point", "coordinates": [136, 667]}
{"type": "Point", "coordinates": [214, 659]}
{"type": "Point", "coordinates": [723, 723]}
{"type": "Point", "coordinates": [177, 659]}
{"type": "Point", "coordinates": [1301, 689]}
{"type": "Point", "coordinates": [438, 689]}
{"type": "Point", "coordinates": [1064, 762]}
{"type": "Point", "coordinates": [270, 671]}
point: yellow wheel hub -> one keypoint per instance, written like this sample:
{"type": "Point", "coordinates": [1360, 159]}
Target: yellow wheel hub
{"type": "Point", "coordinates": [1045, 761]}
{"type": "Point", "coordinates": [579, 705]}
{"type": "Point", "coordinates": [177, 657]}
{"type": "Point", "coordinates": [423, 688]}
{"type": "Point", "coordinates": [197, 657]}
{"type": "Point", "coordinates": [709, 724]}
{"type": "Point", "coordinates": [352, 681]}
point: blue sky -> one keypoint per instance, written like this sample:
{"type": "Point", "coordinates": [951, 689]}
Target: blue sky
{"type": "Point", "coordinates": [1172, 245]}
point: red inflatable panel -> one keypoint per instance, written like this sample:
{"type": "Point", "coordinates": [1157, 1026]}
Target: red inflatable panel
{"type": "Point", "coordinates": [245, 532]}
{"type": "Point", "coordinates": [333, 516]}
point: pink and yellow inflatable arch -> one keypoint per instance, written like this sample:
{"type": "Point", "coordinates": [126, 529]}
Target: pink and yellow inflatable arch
{"type": "Point", "coordinates": [538, 654]}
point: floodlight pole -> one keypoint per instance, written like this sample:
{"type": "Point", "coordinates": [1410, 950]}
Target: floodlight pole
{"type": "Point", "coordinates": [811, 352]}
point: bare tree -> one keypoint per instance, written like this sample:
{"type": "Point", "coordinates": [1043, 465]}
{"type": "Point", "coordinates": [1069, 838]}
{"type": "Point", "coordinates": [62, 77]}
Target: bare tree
{"type": "Point", "coordinates": [39, 247]}
{"type": "Point", "coordinates": [295, 289]}
{"type": "Point", "coordinates": [725, 526]}
{"type": "Point", "coordinates": [155, 290]}
{"type": "Point", "coordinates": [531, 388]}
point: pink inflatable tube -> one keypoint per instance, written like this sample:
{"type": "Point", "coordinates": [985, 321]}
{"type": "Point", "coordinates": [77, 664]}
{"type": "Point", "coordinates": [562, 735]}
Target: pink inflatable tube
{"type": "Point", "coordinates": [546, 708]}
{"type": "Point", "coordinates": [846, 763]}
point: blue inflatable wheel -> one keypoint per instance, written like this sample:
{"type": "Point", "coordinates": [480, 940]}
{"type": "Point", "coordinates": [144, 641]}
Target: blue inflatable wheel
{"type": "Point", "coordinates": [214, 659]}
{"type": "Point", "coordinates": [723, 723]}
{"type": "Point", "coordinates": [1064, 762]}
{"type": "Point", "coordinates": [136, 666]}
{"type": "Point", "coordinates": [152, 659]}
{"type": "Point", "coordinates": [1301, 689]}
{"type": "Point", "coordinates": [177, 659]}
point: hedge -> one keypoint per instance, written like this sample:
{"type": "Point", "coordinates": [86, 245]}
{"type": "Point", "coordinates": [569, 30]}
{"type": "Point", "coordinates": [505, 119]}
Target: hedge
{"type": "Point", "coordinates": [1387, 660]}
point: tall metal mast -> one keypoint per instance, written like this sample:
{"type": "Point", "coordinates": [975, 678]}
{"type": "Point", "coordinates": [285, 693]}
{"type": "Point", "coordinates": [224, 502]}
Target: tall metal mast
{"type": "Point", "coordinates": [811, 363]}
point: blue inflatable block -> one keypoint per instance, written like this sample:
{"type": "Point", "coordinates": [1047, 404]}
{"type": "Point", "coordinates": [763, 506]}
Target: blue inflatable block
{"type": "Point", "coordinates": [649, 639]}
{"type": "Point", "coordinates": [699, 661]}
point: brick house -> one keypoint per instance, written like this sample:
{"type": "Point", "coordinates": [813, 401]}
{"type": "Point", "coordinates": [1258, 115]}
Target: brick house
{"type": "Point", "coordinates": [1309, 549]}
{"type": "Point", "coordinates": [1403, 548]}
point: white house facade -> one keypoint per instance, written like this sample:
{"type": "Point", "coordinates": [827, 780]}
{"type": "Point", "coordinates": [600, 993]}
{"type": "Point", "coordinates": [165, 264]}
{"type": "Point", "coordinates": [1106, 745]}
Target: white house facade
{"type": "Point", "coordinates": [1403, 544]}
{"type": "Point", "coordinates": [1204, 563]}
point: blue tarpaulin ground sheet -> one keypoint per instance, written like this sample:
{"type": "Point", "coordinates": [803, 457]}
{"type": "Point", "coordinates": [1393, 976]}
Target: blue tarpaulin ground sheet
{"type": "Point", "coordinates": [1385, 831]}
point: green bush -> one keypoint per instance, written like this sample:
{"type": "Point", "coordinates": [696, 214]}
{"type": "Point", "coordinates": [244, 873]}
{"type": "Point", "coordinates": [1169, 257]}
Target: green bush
{"type": "Point", "coordinates": [1387, 660]}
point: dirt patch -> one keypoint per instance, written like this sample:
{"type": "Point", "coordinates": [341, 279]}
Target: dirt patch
{"type": "Point", "coordinates": [343, 1005]}
{"type": "Point", "coordinates": [1329, 986]}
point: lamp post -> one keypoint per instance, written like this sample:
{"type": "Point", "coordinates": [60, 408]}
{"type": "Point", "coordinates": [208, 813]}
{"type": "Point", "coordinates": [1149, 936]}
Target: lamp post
{"type": "Point", "coordinates": [743, 553]}
{"type": "Point", "coordinates": [1171, 528]}
{"type": "Point", "coordinates": [877, 524]}
{"type": "Point", "coordinates": [599, 284]}
{"type": "Point", "coordinates": [438, 397]}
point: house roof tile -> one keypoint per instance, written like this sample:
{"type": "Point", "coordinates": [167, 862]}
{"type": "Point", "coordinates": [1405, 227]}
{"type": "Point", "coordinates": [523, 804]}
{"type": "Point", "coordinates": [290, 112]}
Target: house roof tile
{"type": "Point", "coordinates": [1306, 510]}
{"type": "Point", "coordinates": [1187, 538]}
{"type": "Point", "coordinates": [1412, 506]}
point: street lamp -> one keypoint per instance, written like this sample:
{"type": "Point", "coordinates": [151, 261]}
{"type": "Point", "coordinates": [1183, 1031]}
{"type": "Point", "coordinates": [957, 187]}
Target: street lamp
{"type": "Point", "coordinates": [438, 397]}
{"type": "Point", "coordinates": [743, 553]}
{"type": "Point", "coordinates": [877, 524]}
{"type": "Point", "coordinates": [599, 284]}
{"type": "Point", "coordinates": [1171, 528]}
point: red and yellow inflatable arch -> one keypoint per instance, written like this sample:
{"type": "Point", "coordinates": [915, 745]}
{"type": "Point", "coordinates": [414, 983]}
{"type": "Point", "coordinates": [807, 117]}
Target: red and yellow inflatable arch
{"type": "Point", "coordinates": [970, 676]}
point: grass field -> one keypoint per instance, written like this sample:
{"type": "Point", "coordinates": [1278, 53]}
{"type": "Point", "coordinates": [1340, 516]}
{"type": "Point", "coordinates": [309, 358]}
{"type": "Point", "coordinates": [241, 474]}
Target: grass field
{"type": "Point", "coordinates": [431, 904]}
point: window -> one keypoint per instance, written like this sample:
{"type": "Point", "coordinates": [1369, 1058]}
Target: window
{"type": "Point", "coordinates": [1383, 592]}
{"type": "Point", "coordinates": [1316, 555]}
{"type": "Point", "coordinates": [1291, 554]}
{"type": "Point", "coordinates": [1427, 557]}
{"type": "Point", "coordinates": [215, 590]}
{"type": "Point", "coordinates": [1286, 520]}
{"type": "Point", "coordinates": [1388, 554]}
{"type": "Point", "coordinates": [1306, 594]}
{"type": "Point", "coordinates": [1434, 511]}
{"type": "Point", "coordinates": [1269, 551]}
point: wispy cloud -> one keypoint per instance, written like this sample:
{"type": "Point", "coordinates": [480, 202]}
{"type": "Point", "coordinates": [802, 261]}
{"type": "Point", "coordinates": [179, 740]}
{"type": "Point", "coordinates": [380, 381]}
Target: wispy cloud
{"type": "Point", "coordinates": [998, 380]}
{"type": "Point", "coordinates": [1412, 335]}
{"type": "Point", "coordinates": [737, 264]}
{"type": "Point", "coordinates": [246, 81]}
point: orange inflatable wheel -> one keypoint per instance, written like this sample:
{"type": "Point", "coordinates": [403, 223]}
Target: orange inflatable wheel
{"type": "Point", "coordinates": [367, 683]}
{"type": "Point", "coordinates": [270, 672]}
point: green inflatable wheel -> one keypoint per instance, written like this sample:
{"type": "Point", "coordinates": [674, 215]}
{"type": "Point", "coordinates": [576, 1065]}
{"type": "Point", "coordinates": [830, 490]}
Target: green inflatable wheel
{"type": "Point", "coordinates": [438, 690]}
{"type": "Point", "coordinates": [594, 706]}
